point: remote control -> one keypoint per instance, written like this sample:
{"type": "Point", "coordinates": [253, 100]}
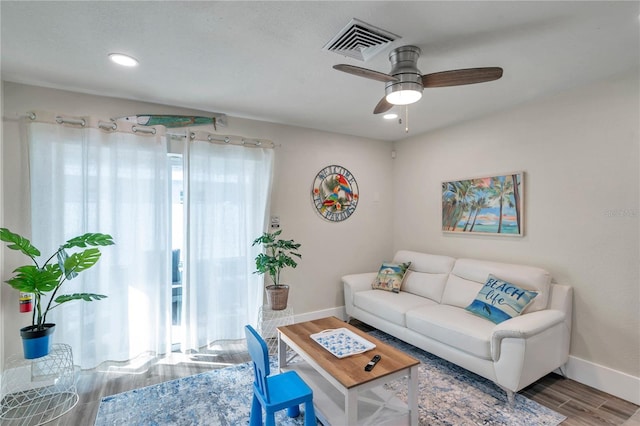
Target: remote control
{"type": "Point", "coordinates": [372, 363]}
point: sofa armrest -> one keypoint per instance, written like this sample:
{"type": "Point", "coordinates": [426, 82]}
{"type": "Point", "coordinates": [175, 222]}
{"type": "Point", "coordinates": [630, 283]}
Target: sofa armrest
{"type": "Point", "coordinates": [354, 283]}
{"type": "Point", "coordinates": [524, 327]}
{"type": "Point", "coordinates": [359, 282]}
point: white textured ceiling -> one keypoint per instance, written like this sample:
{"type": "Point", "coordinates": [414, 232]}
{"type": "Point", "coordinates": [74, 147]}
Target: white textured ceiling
{"type": "Point", "coordinates": [264, 60]}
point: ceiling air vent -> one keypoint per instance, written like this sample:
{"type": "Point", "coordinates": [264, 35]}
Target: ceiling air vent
{"type": "Point", "coordinates": [360, 40]}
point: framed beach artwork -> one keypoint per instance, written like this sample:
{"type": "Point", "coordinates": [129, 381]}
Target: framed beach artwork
{"type": "Point", "coordinates": [490, 205]}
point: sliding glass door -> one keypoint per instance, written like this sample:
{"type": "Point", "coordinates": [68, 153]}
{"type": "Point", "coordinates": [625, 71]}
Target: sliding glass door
{"type": "Point", "coordinates": [177, 248]}
{"type": "Point", "coordinates": [180, 275]}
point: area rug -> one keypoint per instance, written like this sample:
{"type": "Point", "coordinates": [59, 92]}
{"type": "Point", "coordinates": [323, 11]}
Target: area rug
{"type": "Point", "coordinates": [448, 395]}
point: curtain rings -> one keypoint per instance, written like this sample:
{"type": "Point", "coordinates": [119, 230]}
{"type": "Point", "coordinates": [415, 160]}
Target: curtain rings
{"type": "Point", "coordinates": [226, 139]}
{"type": "Point", "coordinates": [111, 125]}
{"type": "Point", "coordinates": [75, 121]}
{"type": "Point", "coordinates": [229, 140]}
{"type": "Point", "coordinates": [147, 130]}
{"type": "Point", "coordinates": [250, 142]}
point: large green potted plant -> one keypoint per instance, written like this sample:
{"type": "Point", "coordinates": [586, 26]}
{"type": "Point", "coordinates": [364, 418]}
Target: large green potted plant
{"type": "Point", "coordinates": [277, 255]}
{"type": "Point", "coordinates": [44, 280]}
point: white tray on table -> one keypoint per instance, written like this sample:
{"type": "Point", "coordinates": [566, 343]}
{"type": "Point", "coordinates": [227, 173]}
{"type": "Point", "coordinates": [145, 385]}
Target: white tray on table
{"type": "Point", "coordinates": [342, 342]}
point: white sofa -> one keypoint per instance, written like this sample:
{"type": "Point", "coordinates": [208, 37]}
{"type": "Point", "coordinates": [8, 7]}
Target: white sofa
{"type": "Point", "coordinates": [429, 313]}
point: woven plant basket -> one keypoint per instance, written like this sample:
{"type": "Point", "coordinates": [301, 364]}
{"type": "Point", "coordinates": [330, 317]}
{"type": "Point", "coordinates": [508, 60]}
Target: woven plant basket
{"type": "Point", "coordinates": [277, 296]}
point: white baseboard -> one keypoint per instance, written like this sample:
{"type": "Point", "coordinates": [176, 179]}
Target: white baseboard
{"type": "Point", "coordinates": [603, 378]}
{"type": "Point", "coordinates": [331, 312]}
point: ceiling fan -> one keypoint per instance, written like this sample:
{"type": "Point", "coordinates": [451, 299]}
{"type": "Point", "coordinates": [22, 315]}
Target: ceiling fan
{"type": "Point", "coordinates": [404, 84]}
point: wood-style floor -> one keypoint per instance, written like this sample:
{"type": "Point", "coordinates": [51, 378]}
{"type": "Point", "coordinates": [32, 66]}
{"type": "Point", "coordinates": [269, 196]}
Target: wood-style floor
{"type": "Point", "coordinates": [581, 404]}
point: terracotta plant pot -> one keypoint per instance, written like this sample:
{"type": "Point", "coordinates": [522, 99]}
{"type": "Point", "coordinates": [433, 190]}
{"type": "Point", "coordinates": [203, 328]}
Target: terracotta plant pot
{"type": "Point", "coordinates": [277, 296]}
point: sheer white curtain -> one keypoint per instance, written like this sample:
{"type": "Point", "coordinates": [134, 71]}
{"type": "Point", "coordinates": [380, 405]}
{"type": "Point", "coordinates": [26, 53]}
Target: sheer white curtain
{"type": "Point", "coordinates": [85, 179]}
{"type": "Point", "coordinates": [227, 191]}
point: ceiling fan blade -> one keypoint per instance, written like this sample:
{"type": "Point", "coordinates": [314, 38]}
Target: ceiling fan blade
{"type": "Point", "coordinates": [364, 72]}
{"type": "Point", "coordinates": [383, 106]}
{"type": "Point", "coordinates": [460, 77]}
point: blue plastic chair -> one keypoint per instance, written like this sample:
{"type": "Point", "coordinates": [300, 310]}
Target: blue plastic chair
{"type": "Point", "coordinates": [277, 392]}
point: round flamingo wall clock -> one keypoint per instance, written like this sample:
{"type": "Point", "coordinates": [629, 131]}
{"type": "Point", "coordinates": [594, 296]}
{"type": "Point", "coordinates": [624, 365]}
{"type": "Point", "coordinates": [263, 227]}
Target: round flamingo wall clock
{"type": "Point", "coordinates": [335, 193]}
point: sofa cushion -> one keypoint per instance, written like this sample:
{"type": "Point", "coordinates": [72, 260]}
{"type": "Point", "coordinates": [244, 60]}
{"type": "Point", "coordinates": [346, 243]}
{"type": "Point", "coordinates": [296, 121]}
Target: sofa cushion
{"type": "Point", "coordinates": [390, 276]}
{"type": "Point", "coordinates": [500, 300]}
{"type": "Point", "coordinates": [427, 274]}
{"type": "Point", "coordinates": [469, 275]}
{"type": "Point", "coordinates": [454, 327]}
{"type": "Point", "coordinates": [389, 306]}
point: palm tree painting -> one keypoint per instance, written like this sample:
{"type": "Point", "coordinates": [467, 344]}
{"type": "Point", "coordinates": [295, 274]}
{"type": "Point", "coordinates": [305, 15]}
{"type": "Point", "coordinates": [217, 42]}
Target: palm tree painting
{"type": "Point", "coordinates": [484, 205]}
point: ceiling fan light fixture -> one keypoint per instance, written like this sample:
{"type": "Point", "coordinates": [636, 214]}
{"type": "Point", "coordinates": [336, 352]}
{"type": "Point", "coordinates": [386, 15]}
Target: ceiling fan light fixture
{"type": "Point", "coordinates": [404, 93]}
{"type": "Point", "coordinates": [404, 83]}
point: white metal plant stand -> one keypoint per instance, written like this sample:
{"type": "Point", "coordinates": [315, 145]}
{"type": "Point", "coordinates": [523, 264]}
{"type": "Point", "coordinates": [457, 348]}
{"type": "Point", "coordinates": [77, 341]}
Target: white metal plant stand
{"type": "Point", "coordinates": [36, 391]}
{"type": "Point", "coordinates": [268, 323]}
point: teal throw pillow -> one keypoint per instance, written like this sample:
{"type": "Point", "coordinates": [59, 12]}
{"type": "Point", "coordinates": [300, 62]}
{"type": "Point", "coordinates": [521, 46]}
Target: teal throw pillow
{"type": "Point", "coordinates": [390, 276]}
{"type": "Point", "coordinates": [499, 300]}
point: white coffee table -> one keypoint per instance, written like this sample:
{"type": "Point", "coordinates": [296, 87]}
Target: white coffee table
{"type": "Point", "coordinates": [343, 392]}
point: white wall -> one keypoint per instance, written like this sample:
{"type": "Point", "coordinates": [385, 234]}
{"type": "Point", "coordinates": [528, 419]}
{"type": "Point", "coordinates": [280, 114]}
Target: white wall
{"type": "Point", "coordinates": [329, 250]}
{"type": "Point", "coordinates": [580, 154]}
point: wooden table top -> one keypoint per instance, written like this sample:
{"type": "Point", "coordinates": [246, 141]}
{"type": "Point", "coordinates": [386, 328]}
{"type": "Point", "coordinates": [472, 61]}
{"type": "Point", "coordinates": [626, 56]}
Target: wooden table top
{"type": "Point", "coordinates": [348, 371]}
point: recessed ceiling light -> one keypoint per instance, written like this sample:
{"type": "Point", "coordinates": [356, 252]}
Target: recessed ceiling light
{"type": "Point", "coordinates": [390, 116]}
{"type": "Point", "coordinates": [124, 60]}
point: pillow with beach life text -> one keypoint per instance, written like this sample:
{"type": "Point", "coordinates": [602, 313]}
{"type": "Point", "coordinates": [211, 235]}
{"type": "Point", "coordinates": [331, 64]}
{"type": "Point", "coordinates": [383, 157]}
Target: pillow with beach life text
{"type": "Point", "coordinates": [390, 276]}
{"type": "Point", "coordinates": [500, 300]}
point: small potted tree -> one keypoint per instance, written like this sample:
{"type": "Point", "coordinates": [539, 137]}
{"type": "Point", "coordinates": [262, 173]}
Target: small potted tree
{"type": "Point", "coordinates": [40, 279]}
{"type": "Point", "coordinates": [277, 255]}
